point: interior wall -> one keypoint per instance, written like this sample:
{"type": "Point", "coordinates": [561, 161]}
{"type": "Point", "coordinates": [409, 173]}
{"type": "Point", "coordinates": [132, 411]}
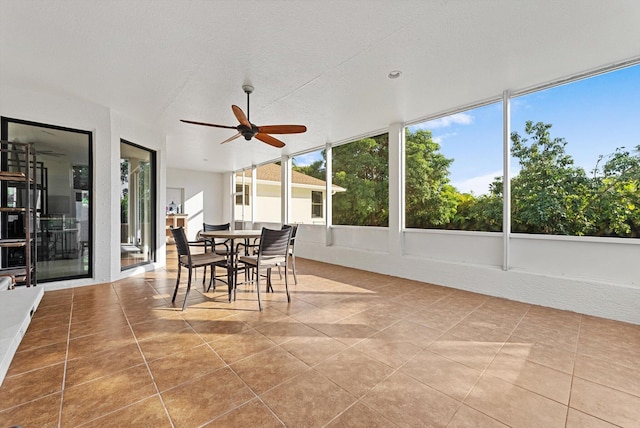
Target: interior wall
{"type": "Point", "coordinates": [123, 127]}
{"type": "Point", "coordinates": [203, 193]}
{"type": "Point", "coordinates": [67, 112]}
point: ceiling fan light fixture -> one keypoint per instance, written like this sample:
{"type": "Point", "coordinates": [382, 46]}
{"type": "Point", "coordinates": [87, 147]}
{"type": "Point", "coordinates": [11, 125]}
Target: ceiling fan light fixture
{"type": "Point", "coordinates": [394, 74]}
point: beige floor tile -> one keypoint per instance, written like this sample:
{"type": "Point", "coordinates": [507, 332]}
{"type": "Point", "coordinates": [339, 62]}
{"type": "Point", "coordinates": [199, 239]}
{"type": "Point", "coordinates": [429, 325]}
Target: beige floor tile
{"type": "Point", "coordinates": [466, 417]}
{"type": "Point", "coordinates": [36, 358]}
{"type": "Point", "coordinates": [409, 350]}
{"type": "Point", "coordinates": [43, 412]}
{"type": "Point", "coordinates": [407, 402]}
{"type": "Point", "coordinates": [605, 403]}
{"type": "Point", "coordinates": [267, 369]}
{"type": "Point", "coordinates": [359, 416]}
{"type": "Point", "coordinates": [156, 327]}
{"type": "Point", "coordinates": [25, 387]}
{"type": "Point", "coordinates": [99, 397]}
{"type": "Point", "coordinates": [309, 400]}
{"type": "Point", "coordinates": [38, 337]}
{"type": "Point", "coordinates": [100, 342]}
{"type": "Point", "coordinates": [96, 365]}
{"type": "Point", "coordinates": [184, 366]}
{"type": "Point", "coordinates": [170, 343]}
{"type": "Point", "coordinates": [283, 329]}
{"type": "Point", "coordinates": [547, 355]}
{"type": "Point", "coordinates": [447, 376]}
{"type": "Point", "coordinates": [242, 345]}
{"type": "Point", "coordinates": [314, 350]}
{"type": "Point", "coordinates": [476, 354]}
{"type": "Point", "coordinates": [606, 373]}
{"type": "Point", "coordinates": [534, 377]}
{"type": "Point", "coordinates": [577, 419]}
{"type": "Point", "coordinates": [146, 413]}
{"type": "Point", "coordinates": [354, 371]}
{"type": "Point", "coordinates": [205, 398]}
{"type": "Point", "coordinates": [251, 414]}
{"type": "Point", "coordinates": [515, 406]}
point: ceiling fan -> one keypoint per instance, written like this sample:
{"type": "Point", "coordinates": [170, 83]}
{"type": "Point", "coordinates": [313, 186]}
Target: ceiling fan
{"type": "Point", "coordinates": [248, 130]}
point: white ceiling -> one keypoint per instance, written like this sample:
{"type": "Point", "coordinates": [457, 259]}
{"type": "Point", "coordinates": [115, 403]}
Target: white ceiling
{"type": "Point", "coordinates": [320, 63]}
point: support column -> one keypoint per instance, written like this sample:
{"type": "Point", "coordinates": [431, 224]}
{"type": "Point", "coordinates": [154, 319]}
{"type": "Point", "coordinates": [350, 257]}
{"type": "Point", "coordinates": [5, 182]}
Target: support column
{"type": "Point", "coordinates": [506, 180]}
{"type": "Point", "coordinates": [396, 186]}
{"type": "Point", "coordinates": [329, 193]}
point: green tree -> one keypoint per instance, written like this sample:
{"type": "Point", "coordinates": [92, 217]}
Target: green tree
{"type": "Point", "coordinates": [316, 169]}
{"type": "Point", "coordinates": [430, 200]}
{"type": "Point", "coordinates": [614, 203]}
{"type": "Point", "coordinates": [549, 194]}
{"type": "Point", "coordinates": [362, 168]}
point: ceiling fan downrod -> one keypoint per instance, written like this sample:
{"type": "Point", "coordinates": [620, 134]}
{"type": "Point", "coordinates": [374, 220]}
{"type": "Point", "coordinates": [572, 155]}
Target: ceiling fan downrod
{"type": "Point", "coordinates": [248, 89]}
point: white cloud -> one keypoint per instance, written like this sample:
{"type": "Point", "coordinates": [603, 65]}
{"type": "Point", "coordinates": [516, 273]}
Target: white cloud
{"type": "Point", "coordinates": [444, 122]}
{"type": "Point", "coordinates": [477, 185]}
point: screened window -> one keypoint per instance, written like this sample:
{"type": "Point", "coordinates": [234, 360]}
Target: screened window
{"type": "Point", "coordinates": [454, 171]}
{"type": "Point", "coordinates": [361, 172]}
{"type": "Point", "coordinates": [308, 186]}
{"type": "Point", "coordinates": [576, 158]}
{"type": "Point", "coordinates": [268, 193]}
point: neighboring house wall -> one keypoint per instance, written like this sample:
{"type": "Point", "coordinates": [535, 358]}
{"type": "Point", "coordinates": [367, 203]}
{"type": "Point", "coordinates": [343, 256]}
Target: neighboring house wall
{"type": "Point", "coordinates": [268, 204]}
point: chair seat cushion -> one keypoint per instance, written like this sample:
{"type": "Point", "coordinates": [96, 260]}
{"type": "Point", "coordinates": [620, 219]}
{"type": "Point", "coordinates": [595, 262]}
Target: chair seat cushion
{"type": "Point", "coordinates": [202, 259]}
{"type": "Point", "coordinates": [265, 261]}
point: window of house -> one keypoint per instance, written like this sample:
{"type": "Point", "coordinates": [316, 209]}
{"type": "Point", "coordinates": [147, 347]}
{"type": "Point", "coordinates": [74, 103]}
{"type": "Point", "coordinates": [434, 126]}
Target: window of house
{"type": "Point", "coordinates": [242, 197]}
{"type": "Point", "coordinates": [453, 170]}
{"type": "Point", "coordinates": [317, 204]}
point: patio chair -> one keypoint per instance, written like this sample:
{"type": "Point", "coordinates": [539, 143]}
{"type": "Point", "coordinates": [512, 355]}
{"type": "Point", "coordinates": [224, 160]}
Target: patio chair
{"type": "Point", "coordinates": [191, 261]}
{"type": "Point", "coordinates": [272, 252]}
{"type": "Point", "coordinates": [292, 250]}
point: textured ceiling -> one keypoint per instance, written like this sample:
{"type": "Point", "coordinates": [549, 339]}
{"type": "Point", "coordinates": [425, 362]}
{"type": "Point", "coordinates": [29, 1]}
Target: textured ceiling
{"type": "Point", "coordinates": [320, 63]}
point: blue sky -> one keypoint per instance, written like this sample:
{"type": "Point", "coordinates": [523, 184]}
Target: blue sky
{"type": "Point", "coordinates": [593, 115]}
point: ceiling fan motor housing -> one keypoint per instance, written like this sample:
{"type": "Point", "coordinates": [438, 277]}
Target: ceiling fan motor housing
{"type": "Point", "coordinates": [248, 133]}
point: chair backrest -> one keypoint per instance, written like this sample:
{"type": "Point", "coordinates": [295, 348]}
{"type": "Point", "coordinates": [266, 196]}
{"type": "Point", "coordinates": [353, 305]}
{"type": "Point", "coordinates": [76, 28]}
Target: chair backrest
{"type": "Point", "coordinates": [274, 242]}
{"type": "Point", "coordinates": [294, 231]}
{"type": "Point", "coordinates": [212, 227]}
{"type": "Point", "coordinates": [180, 239]}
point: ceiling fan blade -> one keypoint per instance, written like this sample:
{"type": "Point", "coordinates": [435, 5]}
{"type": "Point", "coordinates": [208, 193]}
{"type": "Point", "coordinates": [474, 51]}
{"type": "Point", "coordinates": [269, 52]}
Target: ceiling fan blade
{"type": "Point", "coordinates": [237, 111]}
{"type": "Point", "coordinates": [231, 138]}
{"type": "Point", "coordinates": [208, 124]}
{"type": "Point", "coordinates": [266, 138]}
{"type": "Point", "coordinates": [282, 129]}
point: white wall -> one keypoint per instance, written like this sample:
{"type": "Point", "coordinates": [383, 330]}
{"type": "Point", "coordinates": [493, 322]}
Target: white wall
{"type": "Point", "coordinates": [591, 276]}
{"type": "Point", "coordinates": [72, 113]}
{"type": "Point", "coordinates": [203, 196]}
{"type": "Point", "coordinates": [107, 128]}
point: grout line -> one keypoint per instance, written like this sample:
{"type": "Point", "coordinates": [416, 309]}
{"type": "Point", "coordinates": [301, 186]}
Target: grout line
{"type": "Point", "coordinates": [573, 372]}
{"type": "Point", "coordinates": [144, 358]}
{"type": "Point", "coordinates": [66, 359]}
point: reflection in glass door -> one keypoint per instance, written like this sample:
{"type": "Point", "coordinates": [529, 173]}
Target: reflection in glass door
{"type": "Point", "coordinates": [137, 205]}
{"type": "Point", "coordinates": [64, 186]}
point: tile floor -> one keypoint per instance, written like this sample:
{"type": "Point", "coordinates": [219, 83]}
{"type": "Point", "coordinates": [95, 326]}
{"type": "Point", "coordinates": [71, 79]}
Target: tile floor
{"type": "Point", "coordinates": [353, 349]}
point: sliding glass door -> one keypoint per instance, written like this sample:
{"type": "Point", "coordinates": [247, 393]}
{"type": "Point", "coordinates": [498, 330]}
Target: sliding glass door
{"type": "Point", "coordinates": [64, 198]}
{"type": "Point", "coordinates": [137, 205]}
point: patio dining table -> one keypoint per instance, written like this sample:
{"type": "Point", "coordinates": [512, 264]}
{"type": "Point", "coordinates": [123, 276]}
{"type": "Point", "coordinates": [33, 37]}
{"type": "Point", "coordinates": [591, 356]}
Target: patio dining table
{"type": "Point", "coordinates": [232, 235]}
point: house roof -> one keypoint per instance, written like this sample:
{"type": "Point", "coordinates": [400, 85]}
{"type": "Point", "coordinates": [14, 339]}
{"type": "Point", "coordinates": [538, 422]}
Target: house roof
{"type": "Point", "coordinates": [272, 172]}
